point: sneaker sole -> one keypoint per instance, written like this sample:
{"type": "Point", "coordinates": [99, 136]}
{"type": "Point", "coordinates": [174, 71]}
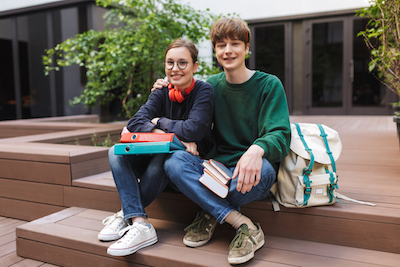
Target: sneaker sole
{"type": "Point", "coordinates": [194, 244]}
{"type": "Point", "coordinates": [109, 237]}
{"type": "Point", "coordinates": [247, 257]}
{"type": "Point", "coordinates": [131, 250]}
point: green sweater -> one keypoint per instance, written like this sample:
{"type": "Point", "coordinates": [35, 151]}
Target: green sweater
{"type": "Point", "coordinates": [254, 112]}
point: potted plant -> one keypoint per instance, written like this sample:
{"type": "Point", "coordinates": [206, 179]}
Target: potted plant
{"type": "Point", "coordinates": [382, 37]}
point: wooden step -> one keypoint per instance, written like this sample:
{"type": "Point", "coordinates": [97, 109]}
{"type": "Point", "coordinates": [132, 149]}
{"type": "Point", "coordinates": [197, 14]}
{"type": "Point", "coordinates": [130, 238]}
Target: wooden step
{"type": "Point", "coordinates": [51, 163]}
{"type": "Point", "coordinates": [347, 224]}
{"type": "Point", "coordinates": [102, 181]}
{"type": "Point", "coordinates": [69, 238]}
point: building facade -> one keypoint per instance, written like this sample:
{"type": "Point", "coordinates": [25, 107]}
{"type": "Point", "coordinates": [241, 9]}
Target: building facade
{"type": "Point", "coordinates": [311, 45]}
{"type": "Point", "coordinates": [27, 29]}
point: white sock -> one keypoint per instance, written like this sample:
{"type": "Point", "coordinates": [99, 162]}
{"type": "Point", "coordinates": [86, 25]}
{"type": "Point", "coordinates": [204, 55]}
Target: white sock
{"type": "Point", "coordinates": [236, 219]}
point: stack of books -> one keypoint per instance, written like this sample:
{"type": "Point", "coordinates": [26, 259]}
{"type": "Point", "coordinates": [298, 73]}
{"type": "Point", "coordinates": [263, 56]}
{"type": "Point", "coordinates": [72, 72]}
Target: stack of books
{"type": "Point", "coordinates": [216, 177]}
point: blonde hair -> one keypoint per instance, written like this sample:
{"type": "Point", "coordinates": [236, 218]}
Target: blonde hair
{"type": "Point", "coordinates": [232, 28]}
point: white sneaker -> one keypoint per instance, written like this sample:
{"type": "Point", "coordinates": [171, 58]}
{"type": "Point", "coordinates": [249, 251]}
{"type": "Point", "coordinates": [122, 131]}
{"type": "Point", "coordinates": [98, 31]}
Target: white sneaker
{"type": "Point", "coordinates": [137, 236]}
{"type": "Point", "coordinates": [113, 225]}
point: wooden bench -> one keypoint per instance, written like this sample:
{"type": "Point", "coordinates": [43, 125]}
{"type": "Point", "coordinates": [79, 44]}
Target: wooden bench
{"type": "Point", "coordinates": [37, 168]}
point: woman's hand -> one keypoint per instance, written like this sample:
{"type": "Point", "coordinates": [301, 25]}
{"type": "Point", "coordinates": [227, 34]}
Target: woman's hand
{"type": "Point", "coordinates": [156, 130]}
{"type": "Point", "coordinates": [125, 130]}
{"type": "Point", "coordinates": [160, 83]}
{"type": "Point", "coordinates": [191, 148]}
{"type": "Point", "coordinates": [154, 121]}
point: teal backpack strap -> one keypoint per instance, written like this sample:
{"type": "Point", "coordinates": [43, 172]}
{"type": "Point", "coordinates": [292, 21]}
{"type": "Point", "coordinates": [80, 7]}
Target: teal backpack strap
{"type": "Point", "coordinates": [333, 184]}
{"type": "Point", "coordinates": [328, 151]}
{"type": "Point", "coordinates": [307, 171]}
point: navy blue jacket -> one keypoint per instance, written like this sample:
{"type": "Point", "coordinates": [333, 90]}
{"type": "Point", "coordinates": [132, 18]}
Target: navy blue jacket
{"type": "Point", "coordinates": [190, 120]}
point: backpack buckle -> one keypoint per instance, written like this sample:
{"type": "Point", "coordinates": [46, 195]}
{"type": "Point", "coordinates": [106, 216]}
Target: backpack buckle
{"type": "Point", "coordinates": [307, 171]}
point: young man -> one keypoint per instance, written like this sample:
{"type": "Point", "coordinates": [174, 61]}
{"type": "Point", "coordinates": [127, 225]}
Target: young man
{"type": "Point", "coordinates": [251, 135]}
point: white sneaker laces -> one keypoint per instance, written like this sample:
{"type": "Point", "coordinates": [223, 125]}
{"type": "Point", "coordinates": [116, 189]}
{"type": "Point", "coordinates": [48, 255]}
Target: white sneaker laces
{"type": "Point", "coordinates": [113, 221]}
{"type": "Point", "coordinates": [133, 231]}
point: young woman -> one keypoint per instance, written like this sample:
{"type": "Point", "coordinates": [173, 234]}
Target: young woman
{"type": "Point", "coordinates": [185, 108]}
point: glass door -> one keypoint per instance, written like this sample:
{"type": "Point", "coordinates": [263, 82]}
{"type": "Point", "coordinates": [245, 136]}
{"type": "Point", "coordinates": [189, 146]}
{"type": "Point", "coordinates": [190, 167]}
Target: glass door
{"type": "Point", "coordinates": [324, 67]}
{"type": "Point", "coordinates": [327, 65]}
{"type": "Point", "coordinates": [336, 76]}
{"type": "Point", "coordinates": [271, 52]}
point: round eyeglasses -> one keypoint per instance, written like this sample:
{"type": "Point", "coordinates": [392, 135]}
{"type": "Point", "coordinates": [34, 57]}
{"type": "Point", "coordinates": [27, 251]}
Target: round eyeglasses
{"type": "Point", "coordinates": [182, 64]}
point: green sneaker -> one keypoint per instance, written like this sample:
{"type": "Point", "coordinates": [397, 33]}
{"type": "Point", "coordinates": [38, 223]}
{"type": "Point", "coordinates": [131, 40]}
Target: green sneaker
{"type": "Point", "coordinates": [245, 243]}
{"type": "Point", "coordinates": [199, 232]}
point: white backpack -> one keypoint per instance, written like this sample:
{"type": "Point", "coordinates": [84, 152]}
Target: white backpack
{"type": "Point", "coordinates": [307, 176]}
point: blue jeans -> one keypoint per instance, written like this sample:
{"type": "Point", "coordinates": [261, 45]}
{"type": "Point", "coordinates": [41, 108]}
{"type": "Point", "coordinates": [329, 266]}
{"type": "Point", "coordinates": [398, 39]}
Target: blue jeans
{"type": "Point", "coordinates": [184, 171]}
{"type": "Point", "coordinates": [139, 180]}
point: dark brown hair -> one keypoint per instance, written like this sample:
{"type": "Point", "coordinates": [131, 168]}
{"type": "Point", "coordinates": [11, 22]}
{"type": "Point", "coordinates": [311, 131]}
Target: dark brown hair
{"type": "Point", "coordinates": [184, 43]}
{"type": "Point", "coordinates": [231, 28]}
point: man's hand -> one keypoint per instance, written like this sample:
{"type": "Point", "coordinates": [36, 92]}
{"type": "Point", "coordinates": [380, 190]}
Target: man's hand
{"type": "Point", "coordinates": [160, 83]}
{"type": "Point", "coordinates": [248, 169]}
{"type": "Point", "coordinates": [191, 148]}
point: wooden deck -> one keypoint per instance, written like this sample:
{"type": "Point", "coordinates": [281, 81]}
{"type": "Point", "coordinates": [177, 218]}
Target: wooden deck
{"type": "Point", "coordinates": [8, 251]}
{"type": "Point", "coordinates": [345, 234]}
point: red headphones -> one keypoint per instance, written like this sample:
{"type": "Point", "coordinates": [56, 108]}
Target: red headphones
{"type": "Point", "coordinates": [177, 95]}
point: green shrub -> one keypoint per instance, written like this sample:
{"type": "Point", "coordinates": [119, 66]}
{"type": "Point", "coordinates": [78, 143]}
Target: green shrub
{"type": "Point", "coordinates": [383, 39]}
{"type": "Point", "coordinates": [123, 61]}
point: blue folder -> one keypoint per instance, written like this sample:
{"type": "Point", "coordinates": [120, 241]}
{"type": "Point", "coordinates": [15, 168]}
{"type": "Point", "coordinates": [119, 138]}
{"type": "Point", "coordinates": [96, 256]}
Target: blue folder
{"type": "Point", "coordinates": [147, 148]}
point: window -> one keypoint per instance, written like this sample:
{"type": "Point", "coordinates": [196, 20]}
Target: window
{"type": "Point", "coordinates": [272, 53]}
{"type": "Point", "coordinates": [270, 50]}
{"type": "Point", "coordinates": [25, 91]}
{"type": "Point", "coordinates": [327, 62]}
{"type": "Point", "coordinates": [7, 93]}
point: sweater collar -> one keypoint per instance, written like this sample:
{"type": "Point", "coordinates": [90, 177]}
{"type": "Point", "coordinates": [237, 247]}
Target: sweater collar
{"type": "Point", "coordinates": [241, 86]}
